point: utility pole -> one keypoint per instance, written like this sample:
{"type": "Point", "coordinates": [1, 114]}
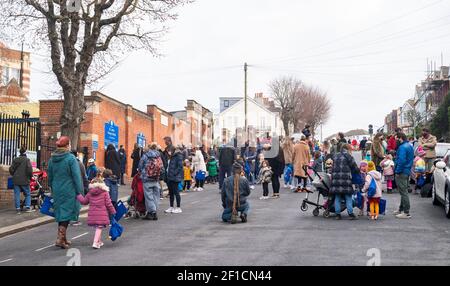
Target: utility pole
{"type": "Point", "coordinates": [245, 100]}
{"type": "Point", "coordinates": [21, 68]}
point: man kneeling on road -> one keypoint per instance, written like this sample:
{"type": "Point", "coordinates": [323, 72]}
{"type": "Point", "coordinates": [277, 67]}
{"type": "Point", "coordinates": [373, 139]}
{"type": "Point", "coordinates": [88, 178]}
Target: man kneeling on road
{"type": "Point", "coordinates": [235, 191]}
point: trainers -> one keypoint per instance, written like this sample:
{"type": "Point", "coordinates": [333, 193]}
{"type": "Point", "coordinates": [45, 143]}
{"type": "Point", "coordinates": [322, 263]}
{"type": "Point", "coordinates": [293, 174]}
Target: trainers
{"type": "Point", "coordinates": [177, 211]}
{"type": "Point", "coordinates": [262, 198]}
{"type": "Point", "coordinates": [76, 223]}
{"type": "Point", "coordinates": [338, 217]}
{"type": "Point", "coordinates": [292, 188]}
{"type": "Point", "coordinates": [200, 190]}
{"type": "Point", "coordinates": [101, 243]}
{"type": "Point", "coordinates": [397, 212]}
{"type": "Point", "coordinates": [244, 218]}
{"type": "Point", "coordinates": [352, 217]}
{"type": "Point", "coordinates": [169, 210]}
{"type": "Point", "coordinates": [18, 211]}
{"type": "Point", "coordinates": [403, 216]}
{"type": "Point", "coordinates": [149, 216]}
{"type": "Point", "coordinates": [96, 245]}
{"type": "Point", "coordinates": [29, 210]}
{"type": "Point", "coordinates": [252, 187]}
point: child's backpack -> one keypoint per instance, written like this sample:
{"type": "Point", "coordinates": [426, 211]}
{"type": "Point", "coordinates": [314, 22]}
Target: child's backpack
{"type": "Point", "coordinates": [420, 166]}
{"type": "Point", "coordinates": [200, 176]}
{"type": "Point", "coordinates": [372, 190]}
{"type": "Point", "coordinates": [288, 174]}
{"type": "Point", "coordinates": [153, 168]}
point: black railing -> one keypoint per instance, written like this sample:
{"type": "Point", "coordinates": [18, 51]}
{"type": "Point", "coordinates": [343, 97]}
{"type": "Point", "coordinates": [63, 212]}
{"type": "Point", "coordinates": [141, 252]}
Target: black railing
{"type": "Point", "coordinates": [17, 132]}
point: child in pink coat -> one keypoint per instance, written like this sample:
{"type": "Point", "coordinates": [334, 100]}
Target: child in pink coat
{"type": "Point", "coordinates": [388, 166]}
{"type": "Point", "coordinates": [100, 208]}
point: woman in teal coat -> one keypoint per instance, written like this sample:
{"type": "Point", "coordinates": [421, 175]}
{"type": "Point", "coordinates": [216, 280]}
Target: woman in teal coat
{"type": "Point", "coordinates": [65, 181]}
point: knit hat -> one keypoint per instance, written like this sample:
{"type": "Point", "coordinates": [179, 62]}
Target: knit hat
{"type": "Point", "coordinates": [63, 141]}
{"type": "Point", "coordinates": [363, 164]}
{"type": "Point", "coordinates": [371, 166]}
{"type": "Point", "coordinates": [421, 152]}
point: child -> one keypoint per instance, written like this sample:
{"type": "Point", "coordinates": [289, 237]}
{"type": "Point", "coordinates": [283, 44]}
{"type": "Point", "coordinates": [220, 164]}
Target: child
{"type": "Point", "coordinates": [374, 200]}
{"type": "Point", "coordinates": [212, 170]}
{"type": "Point", "coordinates": [329, 166]}
{"type": "Point", "coordinates": [265, 177]}
{"type": "Point", "coordinates": [419, 168]}
{"type": "Point", "coordinates": [363, 168]}
{"type": "Point", "coordinates": [388, 171]}
{"type": "Point", "coordinates": [187, 176]}
{"type": "Point", "coordinates": [100, 208]}
{"type": "Point", "coordinates": [318, 162]}
{"type": "Point", "coordinates": [112, 182]}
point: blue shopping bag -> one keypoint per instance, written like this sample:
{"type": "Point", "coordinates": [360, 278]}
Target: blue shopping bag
{"type": "Point", "coordinates": [121, 210]}
{"type": "Point", "coordinates": [382, 205]}
{"type": "Point", "coordinates": [116, 230]}
{"type": "Point", "coordinates": [47, 207]}
{"type": "Point", "coordinates": [10, 183]}
{"type": "Point", "coordinates": [359, 200]}
{"type": "Point", "coordinates": [180, 186]}
{"type": "Point", "coordinates": [200, 176]}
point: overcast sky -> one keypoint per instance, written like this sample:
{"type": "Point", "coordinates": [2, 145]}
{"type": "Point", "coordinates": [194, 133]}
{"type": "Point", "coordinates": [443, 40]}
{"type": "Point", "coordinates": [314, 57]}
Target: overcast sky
{"type": "Point", "coordinates": [367, 55]}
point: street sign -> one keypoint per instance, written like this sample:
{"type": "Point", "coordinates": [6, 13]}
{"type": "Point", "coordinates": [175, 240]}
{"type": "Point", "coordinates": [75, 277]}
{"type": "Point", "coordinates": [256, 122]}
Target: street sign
{"type": "Point", "coordinates": [141, 140]}
{"type": "Point", "coordinates": [95, 145]}
{"type": "Point", "coordinates": [111, 134]}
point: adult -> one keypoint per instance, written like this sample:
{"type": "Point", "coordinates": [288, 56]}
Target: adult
{"type": "Point", "coordinates": [340, 142]}
{"type": "Point", "coordinates": [306, 131]}
{"type": "Point", "coordinates": [150, 167]}
{"type": "Point", "coordinates": [257, 161]}
{"type": "Point", "coordinates": [123, 163]}
{"type": "Point", "coordinates": [362, 147]}
{"type": "Point", "coordinates": [288, 151]}
{"type": "Point", "coordinates": [333, 148]}
{"type": "Point", "coordinates": [165, 155]}
{"type": "Point", "coordinates": [92, 170]}
{"type": "Point", "coordinates": [112, 160]}
{"type": "Point", "coordinates": [341, 184]}
{"type": "Point", "coordinates": [175, 175]}
{"type": "Point", "coordinates": [234, 195]}
{"type": "Point", "coordinates": [212, 152]}
{"type": "Point", "coordinates": [428, 143]}
{"type": "Point", "coordinates": [326, 150]}
{"type": "Point", "coordinates": [301, 159]}
{"type": "Point", "coordinates": [198, 165]}
{"type": "Point", "coordinates": [136, 156]}
{"type": "Point", "coordinates": [277, 165]}
{"type": "Point", "coordinates": [64, 180]}
{"type": "Point", "coordinates": [227, 156]}
{"type": "Point", "coordinates": [403, 164]}
{"type": "Point", "coordinates": [377, 152]}
{"type": "Point", "coordinates": [249, 167]}
{"type": "Point", "coordinates": [83, 177]}
{"type": "Point", "coordinates": [21, 172]}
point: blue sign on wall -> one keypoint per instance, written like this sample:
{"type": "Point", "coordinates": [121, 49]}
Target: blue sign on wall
{"type": "Point", "coordinates": [94, 145]}
{"type": "Point", "coordinates": [141, 140]}
{"type": "Point", "coordinates": [111, 134]}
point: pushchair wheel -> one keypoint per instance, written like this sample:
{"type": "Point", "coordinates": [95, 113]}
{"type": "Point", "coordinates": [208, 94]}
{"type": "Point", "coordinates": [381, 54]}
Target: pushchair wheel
{"type": "Point", "coordinates": [316, 212]}
{"type": "Point", "coordinates": [326, 214]}
{"type": "Point", "coordinates": [304, 207]}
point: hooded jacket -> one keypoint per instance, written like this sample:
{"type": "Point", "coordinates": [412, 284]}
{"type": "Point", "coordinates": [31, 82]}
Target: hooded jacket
{"type": "Point", "coordinates": [100, 205]}
{"type": "Point", "coordinates": [198, 161]}
{"type": "Point", "coordinates": [377, 177]}
{"type": "Point", "coordinates": [341, 178]}
{"type": "Point", "coordinates": [175, 172]}
{"type": "Point", "coordinates": [21, 170]}
{"type": "Point", "coordinates": [64, 178]}
{"type": "Point", "coordinates": [112, 161]}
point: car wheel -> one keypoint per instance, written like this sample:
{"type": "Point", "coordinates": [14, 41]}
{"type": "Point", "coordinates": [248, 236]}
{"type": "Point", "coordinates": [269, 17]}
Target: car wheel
{"type": "Point", "coordinates": [447, 204]}
{"type": "Point", "coordinates": [434, 197]}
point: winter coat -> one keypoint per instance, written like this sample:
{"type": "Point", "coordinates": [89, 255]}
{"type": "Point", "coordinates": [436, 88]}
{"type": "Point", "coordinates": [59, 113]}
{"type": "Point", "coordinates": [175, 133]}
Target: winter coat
{"type": "Point", "coordinates": [64, 180]}
{"type": "Point", "coordinates": [318, 164]}
{"type": "Point", "coordinates": [136, 156]}
{"type": "Point", "coordinates": [227, 155]}
{"type": "Point", "coordinates": [265, 175]}
{"type": "Point", "coordinates": [405, 159]}
{"type": "Point", "coordinates": [175, 172]}
{"type": "Point", "coordinates": [123, 160]}
{"type": "Point", "coordinates": [392, 144]}
{"type": "Point", "coordinates": [21, 170]}
{"type": "Point", "coordinates": [198, 161]}
{"type": "Point", "coordinates": [301, 158]}
{"type": "Point", "coordinates": [429, 146]}
{"type": "Point", "coordinates": [341, 175]}
{"type": "Point", "coordinates": [112, 161]}
{"type": "Point", "coordinates": [100, 205]}
{"type": "Point", "coordinates": [91, 172]}
{"type": "Point", "coordinates": [277, 164]}
{"type": "Point", "coordinates": [288, 150]}
{"type": "Point", "coordinates": [377, 177]}
{"type": "Point", "coordinates": [150, 155]}
{"type": "Point", "coordinates": [377, 152]}
{"type": "Point", "coordinates": [227, 192]}
{"type": "Point", "coordinates": [212, 168]}
{"type": "Point", "coordinates": [187, 173]}
{"type": "Point", "coordinates": [388, 167]}
{"type": "Point", "coordinates": [113, 185]}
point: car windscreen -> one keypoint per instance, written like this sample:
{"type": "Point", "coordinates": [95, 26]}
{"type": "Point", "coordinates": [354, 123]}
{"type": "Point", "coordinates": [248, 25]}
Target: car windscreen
{"type": "Point", "coordinates": [441, 149]}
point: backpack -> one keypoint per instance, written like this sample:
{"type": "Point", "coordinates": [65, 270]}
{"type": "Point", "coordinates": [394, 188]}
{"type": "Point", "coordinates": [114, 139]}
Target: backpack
{"type": "Point", "coordinates": [372, 190]}
{"type": "Point", "coordinates": [153, 168]}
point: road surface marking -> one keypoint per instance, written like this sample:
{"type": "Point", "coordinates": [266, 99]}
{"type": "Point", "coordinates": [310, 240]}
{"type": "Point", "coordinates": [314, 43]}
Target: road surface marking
{"type": "Point", "coordinates": [78, 236]}
{"type": "Point", "coordinates": [3, 261]}
{"type": "Point", "coordinates": [193, 203]}
{"type": "Point", "coordinates": [48, 246]}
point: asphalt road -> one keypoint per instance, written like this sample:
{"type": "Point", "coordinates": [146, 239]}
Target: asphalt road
{"type": "Point", "coordinates": [277, 233]}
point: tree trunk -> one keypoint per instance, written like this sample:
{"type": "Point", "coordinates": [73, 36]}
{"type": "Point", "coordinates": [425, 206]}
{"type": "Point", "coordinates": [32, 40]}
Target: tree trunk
{"type": "Point", "coordinates": [73, 114]}
{"type": "Point", "coordinates": [286, 126]}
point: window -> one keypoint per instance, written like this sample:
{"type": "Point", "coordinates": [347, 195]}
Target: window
{"type": "Point", "coordinates": [226, 103]}
{"type": "Point", "coordinates": [8, 74]}
{"type": "Point", "coordinates": [164, 120]}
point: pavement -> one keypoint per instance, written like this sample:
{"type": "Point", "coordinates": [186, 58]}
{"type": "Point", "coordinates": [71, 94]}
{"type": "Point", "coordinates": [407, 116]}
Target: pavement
{"type": "Point", "coordinates": [277, 234]}
{"type": "Point", "coordinates": [11, 222]}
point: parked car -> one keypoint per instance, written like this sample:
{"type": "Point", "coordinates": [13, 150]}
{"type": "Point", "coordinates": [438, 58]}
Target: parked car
{"type": "Point", "coordinates": [441, 184]}
{"type": "Point", "coordinates": [441, 152]}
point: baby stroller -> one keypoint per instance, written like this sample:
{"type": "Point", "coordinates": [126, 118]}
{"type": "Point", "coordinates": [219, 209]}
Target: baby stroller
{"type": "Point", "coordinates": [136, 202]}
{"type": "Point", "coordinates": [37, 191]}
{"type": "Point", "coordinates": [322, 183]}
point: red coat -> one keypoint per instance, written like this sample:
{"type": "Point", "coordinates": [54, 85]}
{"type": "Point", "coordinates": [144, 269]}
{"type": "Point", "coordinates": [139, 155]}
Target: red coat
{"type": "Point", "coordinates": [100, 205]}
{"type": "Point", "coordinates": [392, 144]}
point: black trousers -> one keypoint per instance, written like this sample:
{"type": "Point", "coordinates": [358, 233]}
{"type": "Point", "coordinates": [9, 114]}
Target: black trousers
{"type": "Point", "coordinates": [199, 183]}
{"type": "Point", "coordinates": [187, 185]}
{"type": "Point", "coordinates": [224, 170]}
{"type": "Point", "coordinates": [300, 179]}
{"type": "Point", "coordinates": [265, 189]}
{"type": "Point", "coordinates": [276, 184]}
{"type": "Point", "coordinates": [174, 193]}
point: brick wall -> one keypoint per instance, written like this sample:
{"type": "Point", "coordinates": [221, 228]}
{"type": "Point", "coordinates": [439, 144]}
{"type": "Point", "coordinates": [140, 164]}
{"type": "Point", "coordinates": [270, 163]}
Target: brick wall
{"type": "Point", "coordinates": [6, 196]}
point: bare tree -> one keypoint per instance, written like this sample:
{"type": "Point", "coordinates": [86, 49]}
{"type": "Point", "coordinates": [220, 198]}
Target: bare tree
{"type": "Point", "coordinates": [283, 92]}
{"type": "Point", "coordinates": [84, 39]}
{"type": "Point", "coordinates": [413, 117]}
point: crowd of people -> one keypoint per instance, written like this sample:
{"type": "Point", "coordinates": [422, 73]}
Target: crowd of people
{"type": "Point", "coordinates": [395, 159]}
